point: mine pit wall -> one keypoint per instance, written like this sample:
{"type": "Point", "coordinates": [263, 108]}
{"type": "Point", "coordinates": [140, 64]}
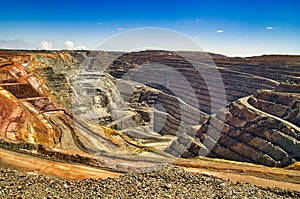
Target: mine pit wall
{"type": "Point", "coordinates": [249, 137]}
{"type": "Point", "coordinates": [58, 83]}
{"type": "Point", "coordinates": [22, 91]}
{"type": "Point", "coordinates": [288, 88]}
{"type": "Point", "coordinates": [236, 85]}
{"type": "Point", "coordinates": [24, 122]}
{"type": "Point", "coordinates": [259, 140]}
{"type": "Point", "coordinates": [230, 144]}
{"type": "Point", "coordinates": [170, 115]}
{"type": "Point", "coordinates": [282, 105]}
{"type": "Point", "coordinates": [278, 68]}
{"type": "Point", "coordinates": [231, 80]}
{"type": "Point", "coordinates": [6, 77]}
{"type": "Point", "coordinates": [203, 103]}
{"type": "Point", "coordinates": [241, 85]}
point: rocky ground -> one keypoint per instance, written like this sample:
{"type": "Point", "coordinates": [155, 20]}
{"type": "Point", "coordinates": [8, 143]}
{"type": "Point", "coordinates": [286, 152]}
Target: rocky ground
{"type": "Point", "coordinates": [163, 182]}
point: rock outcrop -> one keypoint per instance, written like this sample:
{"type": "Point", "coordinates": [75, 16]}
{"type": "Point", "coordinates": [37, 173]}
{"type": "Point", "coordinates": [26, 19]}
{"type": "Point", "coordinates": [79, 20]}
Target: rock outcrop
{"type": "Point", "coordinates": [22, 101]}
{"type": "Point", "coordinates": [36, 107]}
{"type": "Point", "coordinates": [261, 129]}
{"type": "Point", "coordinates": [127, 103]}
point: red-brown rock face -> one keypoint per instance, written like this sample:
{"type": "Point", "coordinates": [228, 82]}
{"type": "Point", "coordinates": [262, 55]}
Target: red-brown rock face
{"type": "Point", "coordinates": [21, 118]}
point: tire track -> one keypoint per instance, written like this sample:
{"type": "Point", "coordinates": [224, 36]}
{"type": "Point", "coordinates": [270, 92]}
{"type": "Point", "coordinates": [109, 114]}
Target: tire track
{"type": "Point", "coordinates": [244, 101]}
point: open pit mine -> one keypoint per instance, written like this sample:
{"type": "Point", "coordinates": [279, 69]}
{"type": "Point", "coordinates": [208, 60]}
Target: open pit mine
{"type": "Point", "coordinates": [95, 114]}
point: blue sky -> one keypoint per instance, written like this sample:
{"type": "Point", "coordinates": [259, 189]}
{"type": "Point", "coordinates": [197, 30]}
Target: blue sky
{"type": "Point", "coordinates": [230, 27]}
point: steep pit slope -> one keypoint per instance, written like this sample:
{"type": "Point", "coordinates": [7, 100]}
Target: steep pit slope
{"type": "Point", "coordinates": [247, 134]}
{"type": "Point", "coordinates": [262, 129]}
{"type": "Point", "coordinates": [96, 102]}
{"type": "Point", "coordinates": [37, 104]}
{"type": "Point", "coordinates": [275, 67]}
{"type": "Point", "coordinates": [70, 110]}
{"type": "Point", "coordinates": [20, 120]}
{"type": "Point", "coordinates": [237, 84]}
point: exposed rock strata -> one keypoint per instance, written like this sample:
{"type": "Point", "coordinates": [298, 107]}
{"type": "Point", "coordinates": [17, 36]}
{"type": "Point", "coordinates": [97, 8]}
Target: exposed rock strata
{"type": "Point", "coordinates": [76, 101]}
{"type": "Point", "coordinates": [254, 137]}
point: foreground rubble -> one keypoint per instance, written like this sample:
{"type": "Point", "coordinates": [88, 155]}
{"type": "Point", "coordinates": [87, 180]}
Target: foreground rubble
{"type": "Point", "coordinates": [164, 182]}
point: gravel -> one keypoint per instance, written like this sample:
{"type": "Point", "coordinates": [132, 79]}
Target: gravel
{"type": "Point", "coordinates": [165, 182]}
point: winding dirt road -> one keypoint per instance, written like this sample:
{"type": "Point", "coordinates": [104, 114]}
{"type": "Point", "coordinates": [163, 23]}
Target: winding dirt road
{"type": "Point", "coordinates": [228, 170]}
{"type": "Point", "coordinates": [245, 102]}
{"type": "Point", "coordinates": [51, 168]}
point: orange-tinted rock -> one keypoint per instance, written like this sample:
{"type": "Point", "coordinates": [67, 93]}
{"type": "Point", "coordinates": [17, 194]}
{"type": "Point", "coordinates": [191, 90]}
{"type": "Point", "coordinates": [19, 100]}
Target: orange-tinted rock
{"type": "Point", "coordinates": [19, 120]}
{"type": "Point", "coordinates": [36, 103]}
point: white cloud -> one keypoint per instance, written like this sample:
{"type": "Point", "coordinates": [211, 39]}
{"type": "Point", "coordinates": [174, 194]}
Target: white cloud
{"type": "Point", "coordinates": [18, 44]}
{"type": "Point", "coordinates": [195, 38]}
{"type": "Point", "coordinates": [70, 45]}
{"type": "Point", "coordinates": [21, 44]}
{"type": "Point", "coordinates": [269, 28]}
{"type": "Point", "coordinates": [220, 31]}
{"type": "Point", "coordinates": [122, 29]}
{"type": "Point", "coordinates": [46, 45]}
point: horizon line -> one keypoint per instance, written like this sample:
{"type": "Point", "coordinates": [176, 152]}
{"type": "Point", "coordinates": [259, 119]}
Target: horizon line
{"type": "Point", "coordinates": [209, 52]}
